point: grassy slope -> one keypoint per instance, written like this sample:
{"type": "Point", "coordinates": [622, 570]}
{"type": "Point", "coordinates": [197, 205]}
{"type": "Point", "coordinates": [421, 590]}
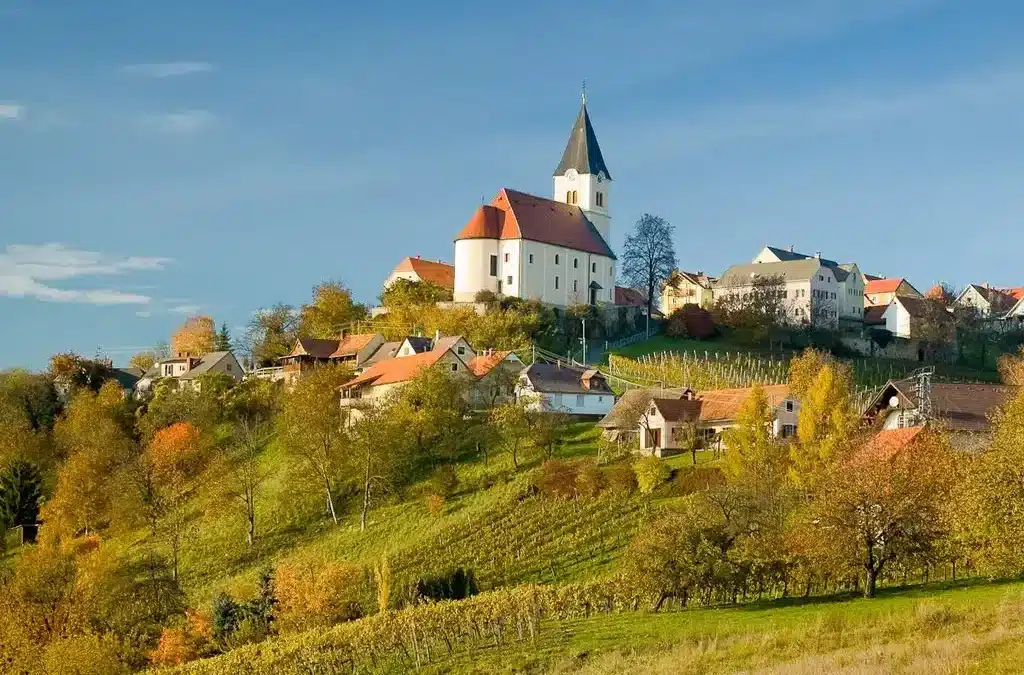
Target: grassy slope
{"type": "Point", "coordinates": [935, 629]}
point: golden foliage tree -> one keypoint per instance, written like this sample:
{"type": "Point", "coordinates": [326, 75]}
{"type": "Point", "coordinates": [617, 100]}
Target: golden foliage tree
{"type": "Point", "coordinates": [1011, 368]}
{"type": "Point", "coordinates": [825, 424]}
{"type": "Point", "coordinates": [332, 310]}
{"type": "Point", "coordinates": [803, 369]}
{"type": "Point", "coordinates": [143, 360]}
{"type": "Point", "coordinates": [195, 337]}
{"type": "Point", "coordinates": [314, 592]}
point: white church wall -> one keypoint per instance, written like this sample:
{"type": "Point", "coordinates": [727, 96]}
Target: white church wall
{"type": "Point", "coordinates": [472, 268]}
{"type": "Point", "coordinates": [587, 187]}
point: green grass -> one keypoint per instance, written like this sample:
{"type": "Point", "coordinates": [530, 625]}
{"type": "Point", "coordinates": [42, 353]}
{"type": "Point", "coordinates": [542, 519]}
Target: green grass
{"type": "Point", "coordinates": [941, 628]}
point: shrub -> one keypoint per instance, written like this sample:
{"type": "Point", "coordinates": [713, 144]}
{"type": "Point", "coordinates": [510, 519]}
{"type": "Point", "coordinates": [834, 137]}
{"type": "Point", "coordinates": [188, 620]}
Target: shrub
{"type": "Point", "coordinates": [226, 616]}
{"type": "Point", "coordinates": [445, 481]}
{"type": "Point", "coordinates": [175, 647]}
{"type": "Point", "coordinates": [486, 296]}
{"type": "Point", "coordinates": [650, 473]}
{"type": "Point", "coordinates": [313, 593]}
{"type": "Point", "coordinates": [435, 504]}
{"type": "Point", "coordinates": [620, 479]}
{"type": "Point", "coordinates": [82, 655]}
{"type": "Point", "coordinates": [556, 478]}
{"type": "Point", "coordinates": [690, 321]}
{"type": "Point", "coordinates": [590, 480]}
{"type": "Point", "coordinates": [455, 585]}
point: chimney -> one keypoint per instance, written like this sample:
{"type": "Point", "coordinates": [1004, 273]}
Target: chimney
{"type": "Point", "coordinates": [437, 336]}
{"type": "Point", "coordinates": [817, 254]}
{"type": "Point", "coordinates": [792, 249]}
{"type": "Point", "coordinates": [417, 256]}
{"type": "Point", "coordinates": [984, 284]}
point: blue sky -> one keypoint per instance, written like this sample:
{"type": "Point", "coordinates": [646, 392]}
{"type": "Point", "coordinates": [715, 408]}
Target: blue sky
{"type": "Point", "coordinates": [158, 159]}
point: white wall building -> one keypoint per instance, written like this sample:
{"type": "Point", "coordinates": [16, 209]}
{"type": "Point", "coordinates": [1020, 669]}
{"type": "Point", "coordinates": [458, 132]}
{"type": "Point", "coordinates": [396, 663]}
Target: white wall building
{"type": "Point", "coordinates": [553, 387]}
{"type": "Point", "coordinates": [850, 295]}
{"type": "Point", "coordinates": [552, 250]}
{"type": "Point", "coordinates": [810, 289]}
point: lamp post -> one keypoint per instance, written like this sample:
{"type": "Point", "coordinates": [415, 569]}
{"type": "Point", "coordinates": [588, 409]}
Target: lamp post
{"type": "Point", "coordinates": [584, 320]}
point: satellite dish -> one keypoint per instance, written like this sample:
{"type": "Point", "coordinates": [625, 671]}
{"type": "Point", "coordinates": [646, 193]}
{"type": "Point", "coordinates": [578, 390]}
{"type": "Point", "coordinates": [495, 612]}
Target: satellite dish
{"type": "Point", "coordinates": [894, 402]}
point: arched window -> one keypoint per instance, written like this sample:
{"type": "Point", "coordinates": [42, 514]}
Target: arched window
{"type": "Point", "coordinates": [556, 258]}
{"type": "Point", "coordinates": [600, 199]}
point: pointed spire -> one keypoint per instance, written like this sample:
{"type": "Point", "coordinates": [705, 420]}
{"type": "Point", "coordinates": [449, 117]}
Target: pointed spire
{"type": "Point", "coordinates": [582, 151]}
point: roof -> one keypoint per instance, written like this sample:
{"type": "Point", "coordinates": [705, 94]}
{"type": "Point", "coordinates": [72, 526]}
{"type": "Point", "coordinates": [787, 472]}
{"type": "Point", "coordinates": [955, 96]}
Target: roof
{"type": "Point", "coordinates": [350, 345]}
{"type": "Point", "coordinates": [886, 444]}
{"type": "Point", "coordinates": [582, 151]}
{"type": "Point", "coordinates": [437, 273]}
{"type": "Point", "coordinates": [206, 364]}
{"type": "Point", "coordinates": [725, 404]}
{"type": "Point", "coordinates": [629, 297]}
{"type": "Point", "coordinates": [550, 378]}
{"type": "Point", "coordinates": [517, 215]}
{"type": "Point", "coordinates": [1017, 293]}
{"type": "Point", "coordinates": [697, 278]}
{"type": "Point", "coordinates": [992, 295]}
{"type": "Point", "coordinates": [418, 343]}
{"type": "Point", "coordinates": [127, 377]}
{"type": "Point", "coordinates": [313, 347]}
{"type": "Point", "coordinates": [393, 371]}
{"type": "Point", "coordinates": [626, 412]}
{"type": "Point", "coordinates": [875, 285]}
{"type": "Point", "coordinates": [916, 307]}
{"type": "Point", "coordinates": [485, 363]}
{"type": "Point", "coordinates": [793, 270]}
{"type": "Point", "coordinates": [384, 352]}
{"type": "Point", "coordinates": [447, 342]}
{"type": "Point", "coordinates": [962, 407]}
{"type": "Point", "coordinates": [678, 409]}
{"type": "Point", "coordinates": [789, 255]}
{"type": "Point", "coordinates": [871, 277]}
{"type": "Point", "coordinates": [873, 314]}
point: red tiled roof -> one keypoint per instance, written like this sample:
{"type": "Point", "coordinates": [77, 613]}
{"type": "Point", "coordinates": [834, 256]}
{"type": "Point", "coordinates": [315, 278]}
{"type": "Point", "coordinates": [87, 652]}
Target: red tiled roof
{"type": "Point", "coordinates": [352, 344]}
{"type": "Point", "coordinates": [437, 273]}
{"type": "Point", "coordinates": [725, 404]}
{"type": "Point", "coordinates": [517, 215]}
{"type": "Point", "coordinates": [886, 444]}
{"type": "Point", "coordinates": [873, 314]}
{"type": "Point", "coordinates": [883, 285]}
{"type": "Point", "coordinates": [396, 370]}
{"type": "Point", "coordinates": [483, 364]}
{"type": "Point", "coordinates": [629, 297]}
{"type": "Point", "coordinates": [1016, 293]}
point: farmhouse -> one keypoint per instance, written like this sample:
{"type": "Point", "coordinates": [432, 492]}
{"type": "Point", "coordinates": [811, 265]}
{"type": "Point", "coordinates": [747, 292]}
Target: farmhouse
{"type": "Point", "coordinates": [557, 387]}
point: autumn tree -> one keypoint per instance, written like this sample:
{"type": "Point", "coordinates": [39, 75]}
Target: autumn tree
{"type": "Point", "coordinates": [331, 310]}
{"type": "Point", "coordinates": [933, 326]}
{"type": "Point", "coordinates": [71, 372]}
{"type": "Point", "coordinates": [826, 422]}
{"type": "Point", "coordinates": [1011, 368]}
{"type": "Point", "coordinates": [803, 369]}
{"type": "Point", "coordinates": [313, 429]}
{"type": "Point", "coordinates": [943, 292]}
{"type": "Point", "coordinates": [649, 256]}
{"type": "Point", "coordinates": [270, 334]}
{"type": "Point", "coordinates": [753, 308]}
{"type": "Point", "coordinates": [379, 452]}
{"type": "Point", "coordinates": [34, 394]}
{"type": "Point", "coordinates": [240, 475]}
{"type": "Point", "coordinates": [512, 422]}
{"type": "Point", "coordinates": [406, 293]}
{"type": "Point", "coordinates": [143, 360]}
{"type": "Point", "coordinates": [433, 406]}
{"type": "Point", "coordinates": [197, 336]}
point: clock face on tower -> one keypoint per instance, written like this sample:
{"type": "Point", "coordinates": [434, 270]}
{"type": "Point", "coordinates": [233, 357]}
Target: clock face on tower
{"type": "Point", "coordinates": [571, 174]}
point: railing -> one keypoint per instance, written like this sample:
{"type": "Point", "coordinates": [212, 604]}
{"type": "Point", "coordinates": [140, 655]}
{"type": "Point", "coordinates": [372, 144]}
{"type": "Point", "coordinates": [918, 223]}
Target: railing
{"type": "Point", "coordinates": [273, 373]}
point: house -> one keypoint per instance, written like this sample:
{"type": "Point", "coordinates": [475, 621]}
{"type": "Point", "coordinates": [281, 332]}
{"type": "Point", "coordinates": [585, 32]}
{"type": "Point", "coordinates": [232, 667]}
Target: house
{"type": "Point", "coordinates": [552, 386]}
{"type": "Point", "coordinates": [382, 379]}
{"type": "Point", "coordinates": [881, 291]}
{"type": "Point", "coordinates": [354, 350]}
{"type": "Point", "coordinates": [849, 298]}
{"type": "Point", "coordinates": [128, 378]}
{"type": "Point", "coordinates": [496, 374]}
{"type": "Point", "coordinates": [964, 411]}
{"type": "Point", "coordinates": [810, 289]}
{"type": "Point", "coordinates": [423, 271]}
{"type": "Point", "coordinates": [904, 314]}
{"type": "Point", "coordinates": [223, 363]}
{"type": "Point", "coordinates": [987, 300]}
{"type": "Point", "coordinates": [553, 250]}
{"type": "Point", "coordinates": [687, 288]}
{"type": "Point", "coordinates": [623, 420]}
{"type": "Point", "coordinates": [711, 412]}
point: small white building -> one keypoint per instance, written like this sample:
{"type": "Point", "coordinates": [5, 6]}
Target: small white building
{"type": "Point", "coordinates": [987, 300]}
{"type": "Point", "coordinates": [421, 270]}
{"type": "Point", "coordinates": [556, 387]}
{"type": "Point", "coordinates": [810, 289]}
{"type": "Point", "coordinates": [849, 298]}
{"type": "Point", "coordinates": [553, 250]}
{"type": "Point", "coordinates": [902, 315]}
{"type": "Point", "coordinates": [186, 371]}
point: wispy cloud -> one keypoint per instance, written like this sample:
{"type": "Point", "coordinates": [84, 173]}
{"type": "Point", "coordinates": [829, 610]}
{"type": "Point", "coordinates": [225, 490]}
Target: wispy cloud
{"type": "Point", "coordinates": [28, 271]}
{"type": "Point", "coordinates": [144, 314]}
{"type": "Point", "coordinates": [169, 69]}
{"type": "Point", "coordinates": [182, 122]}
{"type": "Point", "coordinates": [11, 111]}
{"type": "Point", "coordinates": [185, 309]}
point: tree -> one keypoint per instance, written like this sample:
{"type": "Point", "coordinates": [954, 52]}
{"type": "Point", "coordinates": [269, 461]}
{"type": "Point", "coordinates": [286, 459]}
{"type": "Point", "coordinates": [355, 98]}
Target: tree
{"type": "Point", "coordinates": [825, 424]}
{"type": "Point", "coordinates": [934, 326]}
{"type": "Point", "coordinates": [331, 311]}
{"type": "Point", "coordinates": [512, 422]}
{"type": "Point", "coordinates": [240, 475]}
{"type": "Point", "coordinates": [271, 334]}
{"type": "Point", "coordinates": [71, 372]}
{"type": "Point", "coordinates": [649, 256]}
{"type": "Point", "coordinates": [754, 309]}
{"type": "Point", "coordinates": [223, 341]}
{"type": "Point", "coordinates": [404, 293]}
{"type": "Point", "coordinates": [549, 427]}
{"type": "Point", "coordinates": [688, 440]}
{"type": "Point", "coordinates": [433, 407]}
{"type": "Point", "coordinates": [803, 369]}
{"type": "Point", "coordinates": [884, 502]}
{"type": "Point", "coordinates": [380, 442]}
{"type": "Point", "coordinates": [143, 360]}
{"type": "Point", "coordinates": [197, 336]}
{"type": "Point", "coordinates": [943, 292]}
{"type": "Point", "coordinates": [313, 429]}
{"type": "Point", "coordinates": [21, 493]}
{"type": "Point", "coordinates": [1011, 368]}
{"type": "Point", "coordinates": [34, 394]}
{"type": "Point", "coordinates": [752, 447]}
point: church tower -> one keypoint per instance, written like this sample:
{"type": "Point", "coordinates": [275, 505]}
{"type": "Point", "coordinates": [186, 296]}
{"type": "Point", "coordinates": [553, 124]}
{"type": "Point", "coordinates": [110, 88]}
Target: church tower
{"type": "Point", "coordinates": [582, 178]}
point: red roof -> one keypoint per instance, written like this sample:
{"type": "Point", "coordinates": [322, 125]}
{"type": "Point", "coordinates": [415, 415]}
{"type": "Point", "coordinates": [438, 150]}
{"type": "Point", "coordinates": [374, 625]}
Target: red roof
{"type": "Point", "coordinates": [874, 314]}
{"type": "Point", "coordinates": [883, 285]}
{"type": "Point", "coordinates": [1017, 293]}
{"type": "Point", "coordinates": [400, 369]}
{"type": "Point", "coordinates": [438, 273]}
{"type": "Point", "coordinates": [484, 363]}
{"type": "Point", "coordinates": [517, 215]}
{"type": "Point", "coordinates": [352, 344]}
{"type": "Point", "coordinates": [886, 444]}
{"type": "Point", "coordinates": [630, 297]}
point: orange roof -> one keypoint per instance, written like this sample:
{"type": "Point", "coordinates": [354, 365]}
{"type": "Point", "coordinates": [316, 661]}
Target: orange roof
{"type": "Point", "coordinates": [517, 215]}
{"type": "Point", "coordinates": [396, 370]}
{"type": "Point", "coordinates": [1017, 293]}
{"type": "Point", "coordinates": [725, 404]}
{"type": "Point", "coordinates": [437, 273]}
{"type": "Point", "coordinates": [483, 364]}
{"type": "Point", "coordinates": [886, 444]}
{"type": "Point", "coordinates": [352, 344]}
{"type": "Point", "coordinates": [883, 285]}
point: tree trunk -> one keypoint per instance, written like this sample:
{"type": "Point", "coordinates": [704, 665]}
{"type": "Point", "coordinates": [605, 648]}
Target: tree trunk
{"type": "Point", "coordinates": [661, 601]}
{"type": "Point", "coordinates": [515, 458]}
{"type": "Point", "coordinates": [870, 581]}
{"type": "Point", "coordinates": [251, 518]}
{"type": "Point", "coordinates": [330, 500]}
{"type": "Point", "coordinates": [693, 454]}
{"type": "Point", "coordinates": [366, 495]}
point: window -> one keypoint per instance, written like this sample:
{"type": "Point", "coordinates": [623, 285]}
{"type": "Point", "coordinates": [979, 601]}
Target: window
{"type": "Point", "coordinates": [575, 285]}
{"type": "Point", "coordinates": [494, 265]}
{"type": "Point", "coordinates": [579, 400]}
{"type": "Point", "coordinates": [789, 406]}
{"type": "Point", "coordinates": [229, 367]}
{"type": "Point", "coordinates": [461, 350]}
{"type": "Point", "coordinates": [168, 370]}
{"type": "Point", "coordinates": [593, 267]}
{"type": "Point", "coordinates": [600, 199]}
{"type": "Point", "coordinates": [600, 399]}
{"type": "Point", "coordinates": [509, 280]}
{"type": "Point", "coordinates": [556, 258]}
{"type": "Point", "coordinates": [531, 258]}
{"type": "Point", "coordinates": [556, 283]}
{"type": "Point", "coordinates": [821, 278]}
{"type": "Point", "coordinates": [506, 257]}
{"type": "Point", "coordinates": [455, 367]}
{"type": "Point", "coordinates": [571, 197]}
{"type": "Point", "coordinates": [575, 263]}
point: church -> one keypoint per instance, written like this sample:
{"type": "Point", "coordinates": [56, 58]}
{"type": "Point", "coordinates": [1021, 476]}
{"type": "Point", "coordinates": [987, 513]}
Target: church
{"type": "Point", "coordinates": [553, 250]}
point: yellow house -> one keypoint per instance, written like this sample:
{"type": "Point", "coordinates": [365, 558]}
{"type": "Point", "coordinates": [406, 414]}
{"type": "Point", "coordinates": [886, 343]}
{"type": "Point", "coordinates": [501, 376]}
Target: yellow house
{"type": "Point", "coordinates": [686, 288]}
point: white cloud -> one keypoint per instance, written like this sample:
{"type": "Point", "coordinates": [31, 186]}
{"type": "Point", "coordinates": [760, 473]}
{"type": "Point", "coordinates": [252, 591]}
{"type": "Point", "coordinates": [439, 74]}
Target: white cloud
{"type": "Point", "coordinates": [183, 122]}
{"type": "Point", "coordinates": [169, 69]}
{"type": "Point", "coordinates": [27, 271]}
{"type": "Point", "coordinates": [11, 111]}
{"type": "Point", "coordinates": [185, 309]}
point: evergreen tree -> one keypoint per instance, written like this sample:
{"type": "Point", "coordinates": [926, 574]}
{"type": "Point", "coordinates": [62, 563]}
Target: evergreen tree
{"type": "Point", "coordinates": [222, 343]}
{"type": "Point", "coordinates": [20, 494]}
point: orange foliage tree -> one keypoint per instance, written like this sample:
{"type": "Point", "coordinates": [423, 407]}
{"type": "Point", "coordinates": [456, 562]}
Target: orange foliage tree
{"type": "Point", "coordinates": [177, 449]}
{"type": "Point", "coordinates": [195, 338]}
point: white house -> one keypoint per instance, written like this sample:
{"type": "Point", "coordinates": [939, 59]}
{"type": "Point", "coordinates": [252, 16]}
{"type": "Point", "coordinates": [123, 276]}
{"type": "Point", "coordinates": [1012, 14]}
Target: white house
{"type": "Point", "coordinates": [850, 296]}
{"type": "Point", "coordinates": [186, 371]}
{"type": "Point", "coordinates": [711, 412]}
{"type": "Point", "coordinates": [421, 270]}
{"type": "Point", "coordinates": [987, 300]}
{"type": "Point", "coordinates": [902, 313]}
{"type": "Point", "coordinates": [810, 289]}
{"type": "Point", "coordinates": [553, 250]}
{"type": "Point", "coordinates": [556, 387]}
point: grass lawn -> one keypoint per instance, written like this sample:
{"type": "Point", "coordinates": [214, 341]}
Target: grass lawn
{"type": "Point", "coordinates": [940, 628]}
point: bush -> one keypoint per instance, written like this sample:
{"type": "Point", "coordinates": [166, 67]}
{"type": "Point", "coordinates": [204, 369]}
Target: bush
{"type": "Point", "coordinates": [589, 480]}
{"type": "Point", "coordinates": [175, 647]}
{"type": "Point", "coordinates": [556, 478]}
{"type": "Point", "coordinates": [650, 473]}
{"type": "Point", "coordinates": [313, 593]}
{"type": "Point", "coordinates": [485, 296]}
{"type": "Point", "coordinates": [455, 585]}
{"type": "Point", "coordinates": [445, 481]}
{"type": "Point", "coordinates": [690, 321]}
{"type": "Point", "coordinates": [82, 655]}
{"type": "Point", "coordinates": [620, 479]}
{"type": "Point", "coordinates": [435, 504]}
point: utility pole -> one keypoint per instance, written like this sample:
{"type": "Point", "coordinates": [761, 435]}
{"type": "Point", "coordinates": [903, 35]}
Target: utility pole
{"type": "Point", "coordinates": [584, 320]}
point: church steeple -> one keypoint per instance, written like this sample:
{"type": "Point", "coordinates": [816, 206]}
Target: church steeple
{"type": "Point", "coordinates": [582, 152]}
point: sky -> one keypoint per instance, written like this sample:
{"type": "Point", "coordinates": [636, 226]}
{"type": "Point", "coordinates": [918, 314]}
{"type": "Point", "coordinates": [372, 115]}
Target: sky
{"type": "Point", "coordinates": [163, 159]}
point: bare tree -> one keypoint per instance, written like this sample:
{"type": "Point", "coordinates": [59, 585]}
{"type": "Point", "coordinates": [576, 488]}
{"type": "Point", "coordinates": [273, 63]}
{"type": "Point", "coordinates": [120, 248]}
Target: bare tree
{"type": "Point", "coordinates": [241, 476]}
{"type": "Point", "coordinates": [649, 256]}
